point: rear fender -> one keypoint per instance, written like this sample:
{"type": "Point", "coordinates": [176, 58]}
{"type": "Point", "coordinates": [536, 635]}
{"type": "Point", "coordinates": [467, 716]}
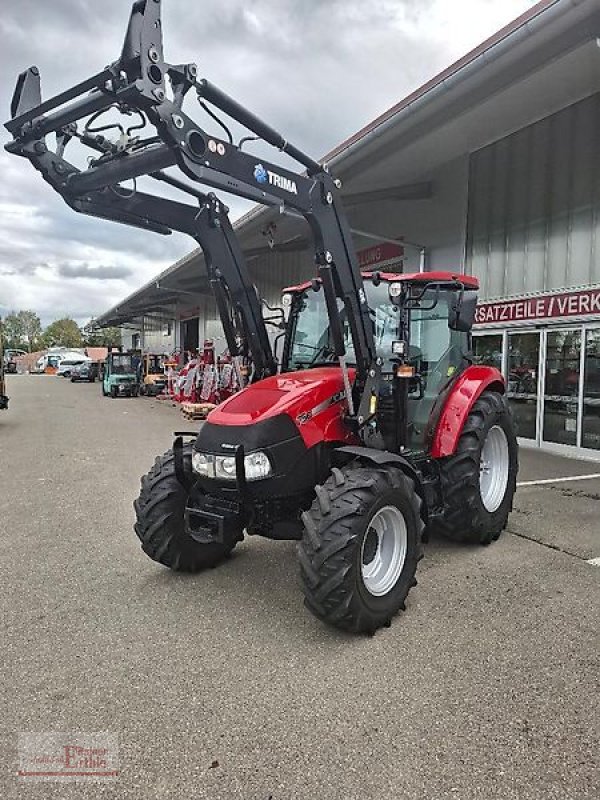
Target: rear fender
{"type": "Point", "coordinates": [463, 394]}
{"type": "Point", "coordinates": [384, 458]}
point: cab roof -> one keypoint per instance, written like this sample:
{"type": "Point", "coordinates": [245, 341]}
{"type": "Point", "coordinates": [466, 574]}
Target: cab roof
{"type": "Point", "coordinates": [468, 281]}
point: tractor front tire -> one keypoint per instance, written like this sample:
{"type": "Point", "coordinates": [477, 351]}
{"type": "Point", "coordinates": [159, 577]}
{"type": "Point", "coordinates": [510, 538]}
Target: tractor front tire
{"type": "Point", "coordinates": [479, 481]}
{"type": "Point", "coordinates": [361, 545]}
{"type": "Point", "coordinates": [160, 525]}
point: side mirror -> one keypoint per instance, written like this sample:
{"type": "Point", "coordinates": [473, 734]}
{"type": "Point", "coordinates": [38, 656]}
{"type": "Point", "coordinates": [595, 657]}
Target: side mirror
{"type": "Point", "coordinates": [461, 311]}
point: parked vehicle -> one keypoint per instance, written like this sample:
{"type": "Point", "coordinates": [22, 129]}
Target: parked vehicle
{"type": "Point", "coordinates": [154, 379]}
{"type": "Point", "coordinates": [50, 361]}
{"type": "Point", "coordinates": [88, 371]}
{"type": "Point", "coordinates": [67, 365]}
{"type": "Point", "coordinates": [120, 377]}
{"type": "Point", "coordinates": [10, 359]}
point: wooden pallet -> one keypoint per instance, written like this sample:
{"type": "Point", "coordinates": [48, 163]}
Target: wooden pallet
{"type": "Point", "coordinates": [196, 410]}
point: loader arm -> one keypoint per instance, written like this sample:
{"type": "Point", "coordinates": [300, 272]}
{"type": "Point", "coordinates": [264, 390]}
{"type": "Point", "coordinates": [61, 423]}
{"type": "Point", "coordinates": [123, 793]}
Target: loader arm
{"type": "Point", "coordinates": [142, 82]}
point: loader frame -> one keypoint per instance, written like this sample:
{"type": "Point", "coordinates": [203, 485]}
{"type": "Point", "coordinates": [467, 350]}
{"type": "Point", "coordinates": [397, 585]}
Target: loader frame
{"type": "Point", "coordinates": [141, 81]}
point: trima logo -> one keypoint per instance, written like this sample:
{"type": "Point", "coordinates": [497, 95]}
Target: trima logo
{"type": "Point", "coordinates": [263, 175]}
{"type": "Point", "coordinates": [260, 173]}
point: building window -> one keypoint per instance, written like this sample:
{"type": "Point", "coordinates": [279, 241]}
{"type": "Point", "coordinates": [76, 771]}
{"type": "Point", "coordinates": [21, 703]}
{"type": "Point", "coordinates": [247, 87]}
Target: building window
{"type": "Point", "coordinates": [590, 432]}
{"type": "Point", "coordinates": [488, 350]}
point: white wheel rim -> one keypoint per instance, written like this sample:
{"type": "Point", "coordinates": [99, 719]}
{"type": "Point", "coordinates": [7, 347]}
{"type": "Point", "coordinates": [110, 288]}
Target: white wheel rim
{"type": "Point", "coordinates": [383, 551]}
{"type": "Point", "coordinates": [493, 469]}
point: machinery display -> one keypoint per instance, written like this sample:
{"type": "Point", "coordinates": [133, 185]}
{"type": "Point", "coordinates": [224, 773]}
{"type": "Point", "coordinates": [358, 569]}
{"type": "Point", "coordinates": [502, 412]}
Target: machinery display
{"type": "Point", "coordinates": [374, 428]}
{"type": "Point", "coordinates": [120, 375]}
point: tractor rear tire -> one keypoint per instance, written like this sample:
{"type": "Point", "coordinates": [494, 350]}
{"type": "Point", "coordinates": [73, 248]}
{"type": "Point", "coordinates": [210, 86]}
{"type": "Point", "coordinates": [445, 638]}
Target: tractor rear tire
{"type": "Point", "coordinates": [479, 481]}
{"type": "Point", "coordinates": [353, 577]}
{"type": "Point", "coordinates": [160, 520]}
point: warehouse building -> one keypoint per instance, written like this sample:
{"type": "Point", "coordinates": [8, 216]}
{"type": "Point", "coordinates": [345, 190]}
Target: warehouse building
{"type": "Point", "coordinates": [492, 168]}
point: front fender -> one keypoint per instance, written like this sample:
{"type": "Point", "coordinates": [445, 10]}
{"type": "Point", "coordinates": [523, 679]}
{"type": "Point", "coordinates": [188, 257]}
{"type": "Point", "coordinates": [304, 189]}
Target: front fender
{"type": "Point", "coordinates": [386, 458]}
{"type": "Point", "coordinates": [467, 388]}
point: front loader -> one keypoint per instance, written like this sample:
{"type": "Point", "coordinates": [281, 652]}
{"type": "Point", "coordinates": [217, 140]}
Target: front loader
{"type": "Point", "coordinates": [374, 428]}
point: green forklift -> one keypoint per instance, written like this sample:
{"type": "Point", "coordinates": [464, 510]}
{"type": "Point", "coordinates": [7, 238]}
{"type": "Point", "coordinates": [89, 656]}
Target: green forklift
{"type": "Point", "coordinates": [121, 375]}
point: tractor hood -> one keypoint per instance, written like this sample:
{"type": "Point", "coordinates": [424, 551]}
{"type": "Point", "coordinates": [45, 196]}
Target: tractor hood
{"type": "Point", "coordinates": [313, 399]}
{"type": "Point", "coordinates": [290, 418]}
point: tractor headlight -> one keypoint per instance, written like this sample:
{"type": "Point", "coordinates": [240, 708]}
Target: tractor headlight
{"type": "Point", "coordinates": [257, 466]}
{"type": "Point", "coordinates": [203, 464]}
{"type": "Point", "coordinates": [225, 468]}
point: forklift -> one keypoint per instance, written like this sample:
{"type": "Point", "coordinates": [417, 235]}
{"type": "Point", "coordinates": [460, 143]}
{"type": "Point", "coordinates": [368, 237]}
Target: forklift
{"type": "Point", "coordinates": [120, 376]}
{"type": "Point", "coordinates": [153, 379]}
{"type": "Point", "coordinates": [374, 428]}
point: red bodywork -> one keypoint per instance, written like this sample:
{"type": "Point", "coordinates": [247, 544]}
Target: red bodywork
{"type": "Point", "coordinates": [414, 277]}
{"type": "Point", "coordinates": [469, 385]}
{"type": "Point", "coordinates": [313, 398]}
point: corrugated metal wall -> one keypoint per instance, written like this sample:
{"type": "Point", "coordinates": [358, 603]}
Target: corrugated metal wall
{"type": "Point", "coordinates": [534, 206]}
{"type": "Point", "coordinates": [159, 334]}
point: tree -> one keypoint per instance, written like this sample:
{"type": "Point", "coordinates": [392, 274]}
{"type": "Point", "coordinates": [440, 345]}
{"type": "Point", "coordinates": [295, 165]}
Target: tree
{"type": "Point", "coordinates": [22, 328]}
{"type": "Point", "coordinates": [13, 331]}
{"type": "Point", "coordinates": [93, 336]}
{"type": "Point", "coordinates": [63, 333]}
{"type": "Point", "coordinates": [32, 328]}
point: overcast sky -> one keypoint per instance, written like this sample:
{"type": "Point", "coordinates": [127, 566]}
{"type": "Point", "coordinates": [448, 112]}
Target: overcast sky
{"type": "Point", "coordinates": [317, 70]}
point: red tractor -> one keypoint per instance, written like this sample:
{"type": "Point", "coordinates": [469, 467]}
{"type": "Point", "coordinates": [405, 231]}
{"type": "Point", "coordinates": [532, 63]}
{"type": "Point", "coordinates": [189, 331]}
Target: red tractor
{"type": "Point", "coordinates": [375, 426]}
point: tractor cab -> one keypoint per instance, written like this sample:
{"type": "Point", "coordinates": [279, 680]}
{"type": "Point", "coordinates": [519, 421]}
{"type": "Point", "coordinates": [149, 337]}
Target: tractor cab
{"type": "Point", "coordinates": [154, 379]}
{"type": "Point", "coordinates": [121, 375]}
{"type": "Point", "coordinates": [421, 324]}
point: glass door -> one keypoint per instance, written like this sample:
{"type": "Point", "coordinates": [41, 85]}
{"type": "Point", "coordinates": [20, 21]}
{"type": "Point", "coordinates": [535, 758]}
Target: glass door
{"type": "Point", "coordinates": [561, 386]}
{"type": "Point", "coordinates": [590, 431]}
{"type": "Point", "coordinates": [523, 379]}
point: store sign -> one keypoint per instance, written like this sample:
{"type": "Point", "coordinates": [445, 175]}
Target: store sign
{"type": "Point", "coordinates": [380, 255]}
{"type": "Point", "coordinates": [567, 304]}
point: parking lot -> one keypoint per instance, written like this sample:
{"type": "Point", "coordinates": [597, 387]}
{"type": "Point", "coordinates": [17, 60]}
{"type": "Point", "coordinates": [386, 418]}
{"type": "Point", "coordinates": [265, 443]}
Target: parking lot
{"type": "Point", "coordinates": [221, 685]}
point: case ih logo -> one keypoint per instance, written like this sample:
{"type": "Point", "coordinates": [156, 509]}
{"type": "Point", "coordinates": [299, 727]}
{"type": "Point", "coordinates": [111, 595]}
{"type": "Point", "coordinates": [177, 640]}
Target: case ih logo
{"type": "Point", "coordinates": [263, 175]}
{"type": "Point", "coordinates": [567, 304]}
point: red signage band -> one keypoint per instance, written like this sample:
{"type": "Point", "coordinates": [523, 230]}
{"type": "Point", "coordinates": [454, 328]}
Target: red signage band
{"type": "Point", "coordinates": [566, 304]}
{"type": "Point", "coordinates": [379, 253]}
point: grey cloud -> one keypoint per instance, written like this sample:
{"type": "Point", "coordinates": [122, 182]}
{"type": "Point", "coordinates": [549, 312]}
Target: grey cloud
{"type": "Point", "coordinates": [315, 69]}
{"type": "Point", "coordinates": [95, 273]}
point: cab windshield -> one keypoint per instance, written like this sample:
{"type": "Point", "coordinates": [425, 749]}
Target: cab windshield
{"type": "Point", "coordinates": [311, 344]}
{"type": "Point", "coordinates": [121, 364]}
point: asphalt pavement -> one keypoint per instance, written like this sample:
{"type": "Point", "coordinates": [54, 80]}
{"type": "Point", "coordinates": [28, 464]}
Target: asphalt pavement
{"type": "Point", "coordinates": [221, 685]}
